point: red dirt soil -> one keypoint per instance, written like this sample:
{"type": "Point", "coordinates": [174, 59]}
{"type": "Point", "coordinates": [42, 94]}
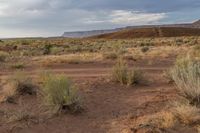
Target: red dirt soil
{"type": "Point", "coordinates": [108, 107]}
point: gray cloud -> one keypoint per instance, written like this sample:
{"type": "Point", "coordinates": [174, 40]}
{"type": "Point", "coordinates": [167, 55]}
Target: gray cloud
{"type": "Point", "coordinates": [52, 17]}
{"type": "Point", "coordinates": [146, 5]}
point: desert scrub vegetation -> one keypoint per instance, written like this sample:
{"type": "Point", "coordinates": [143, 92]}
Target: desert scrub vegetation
{"type": "Point", "coordinates": [60, 93]}
{"type": "Point", "coordinates": [70, 59]}
{"type": "Point", "coordinates": [167, 74]}
{"type": "Point", "coordinates": [195, 52]}
{"type": "Point", "coordinates": [3, 56]}
{"type": "Point", "coordinates": [23, 114]}
{"type": "Point", "coordinates": [186, 75]}
{"type": "Point", "coordinates": [185, 112]}
{"type": "Point", "coordinates": [123, 75]}
{"type": "Point", "coordinates": [17, 65]}
{"type": "Point", "coordinates": [181, 114]}
{"type": "Point", "coordinates": [47, 49]}
{"type": "Point", "coordinates": [129, 57]}
{"type": "Point", "coordinates": [41, 46]}
{"type": "Point", "coordinates": [156, 123]}
{"type": "Point", "coordinates": [145, 49]}
{"type": "Point", "coordinates": [19, 84]}
{"type": "Point", "coordinates": [110, 55]}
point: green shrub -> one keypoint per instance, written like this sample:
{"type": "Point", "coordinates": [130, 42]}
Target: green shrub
{"type": "Point", "coordinates": [60, 93]}
{"type": "Point", "coordinates": [145, 49]}
{"type": "Point", "coordinates": [47, 49]}
{"type": "Point", "coordinates": [25, 42]}
{"type": "Point", "coordinates": [3, 56]}
{"type": "Point", "coordinates": [186, 75]}
{"type": "Point", "coordinates": [56, 50]}
{"type": "Point", "coordinates": [143, 44]}
{"type": "Point", "coordinates": [123, 75]}
{"type": "Point", "coordinates": [17, 65]}
{"type": "Point", "coordinates": [179, 42]}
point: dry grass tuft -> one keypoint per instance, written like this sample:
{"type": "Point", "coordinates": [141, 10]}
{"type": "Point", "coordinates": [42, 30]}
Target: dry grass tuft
{"type": "Point", "coordinates": [123, 75]}
{"type": "Point", "coordinates": [161, 120]}
{"type": "Point", "coordinates": [110, 55]}
{"type": "Point", "coordinates": [18, 85]}
{"type": "Point", "coordinates": [69, 59]}
{"type": "Point", "coordinates": [168, 75]}
{"type": "Point", "coordinates": [186, 113]}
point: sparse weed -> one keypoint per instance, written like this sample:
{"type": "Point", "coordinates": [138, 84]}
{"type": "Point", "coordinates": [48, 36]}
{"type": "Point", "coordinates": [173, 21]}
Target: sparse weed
{"type": "Point", "coordinates": [22, 114]}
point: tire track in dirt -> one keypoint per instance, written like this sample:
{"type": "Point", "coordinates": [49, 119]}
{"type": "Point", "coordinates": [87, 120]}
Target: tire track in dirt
{"type": "Point", "coordinates": [79, 72]}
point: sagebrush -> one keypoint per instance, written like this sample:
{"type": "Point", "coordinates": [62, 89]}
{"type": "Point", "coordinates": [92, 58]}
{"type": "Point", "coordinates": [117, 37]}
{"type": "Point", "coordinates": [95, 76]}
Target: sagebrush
{"type": "Point", "coordinates": [59, 92]}
{"type": "Point", "coordinates": [186, 75]}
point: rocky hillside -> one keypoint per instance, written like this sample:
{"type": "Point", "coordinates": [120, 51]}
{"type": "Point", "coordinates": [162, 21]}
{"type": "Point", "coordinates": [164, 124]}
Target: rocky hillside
{"type": "Point", "coordinates": [81, 34]}
{"type": "Point", "coordinates": [196, 24]}
{"type": "Point", "coordinates": [150, 32]}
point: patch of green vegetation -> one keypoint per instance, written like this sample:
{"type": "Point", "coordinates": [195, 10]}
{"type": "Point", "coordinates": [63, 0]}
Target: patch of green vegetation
{"type": "Point", "coordinates": [60, 93]}
{"type": "Point", "coordinates": [186, 75]}
{"type": "Point", "coordinates": [18, 65]}
{"type": "Point", "coordinates": [145, 49]}
{"type": "Point", "coordinates": [41, 46]}
{"type": "Point", "coordinates": [3, 56]}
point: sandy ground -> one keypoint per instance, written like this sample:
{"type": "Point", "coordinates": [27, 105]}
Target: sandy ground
{"type": "Point", "coordinates": [108, 107]}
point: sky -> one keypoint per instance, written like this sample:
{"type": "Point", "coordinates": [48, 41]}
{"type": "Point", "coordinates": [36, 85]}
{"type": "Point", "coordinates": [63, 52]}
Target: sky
{"type": "Point", "coordinates": [43, 18]}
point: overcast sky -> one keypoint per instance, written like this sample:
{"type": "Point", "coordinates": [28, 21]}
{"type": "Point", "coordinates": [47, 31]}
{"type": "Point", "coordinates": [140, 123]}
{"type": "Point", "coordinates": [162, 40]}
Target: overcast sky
{"type": "Point", "coordinates": [20, 18]}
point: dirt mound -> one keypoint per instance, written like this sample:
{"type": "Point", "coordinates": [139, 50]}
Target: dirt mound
{"type": "Point", "coordinates": [150, 32]}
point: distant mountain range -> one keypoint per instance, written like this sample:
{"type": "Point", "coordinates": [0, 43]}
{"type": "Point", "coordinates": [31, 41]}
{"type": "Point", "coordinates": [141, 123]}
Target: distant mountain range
{"type": "Point", "coordinates": [81, 34]}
